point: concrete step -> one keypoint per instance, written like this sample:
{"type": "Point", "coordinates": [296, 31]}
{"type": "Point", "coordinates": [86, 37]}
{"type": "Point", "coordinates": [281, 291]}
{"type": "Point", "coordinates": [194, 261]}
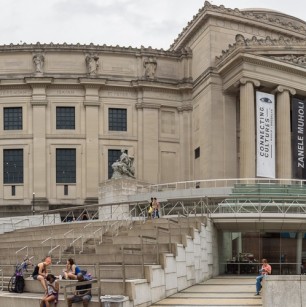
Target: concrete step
{"type": "Point", "coordinates": [33, 299]}
{"type": "Point", "coordinates": [219, 291]}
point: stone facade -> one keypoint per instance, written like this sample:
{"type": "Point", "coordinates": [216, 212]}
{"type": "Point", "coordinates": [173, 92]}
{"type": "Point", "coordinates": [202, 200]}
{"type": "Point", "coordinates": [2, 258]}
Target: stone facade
{"type": "Point", "coordinates": [195, 99]}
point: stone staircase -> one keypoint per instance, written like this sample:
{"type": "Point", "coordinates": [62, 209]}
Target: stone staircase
{"type": "Point", "coordinates": [223, 291]}
{"type": "Point", "coordinates": [163, 246]}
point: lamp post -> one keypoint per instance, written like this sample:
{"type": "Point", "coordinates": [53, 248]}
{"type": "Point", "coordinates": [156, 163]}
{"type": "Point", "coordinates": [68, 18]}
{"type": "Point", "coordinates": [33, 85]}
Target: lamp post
{"type": "Point", "coordinates": [33, 204]}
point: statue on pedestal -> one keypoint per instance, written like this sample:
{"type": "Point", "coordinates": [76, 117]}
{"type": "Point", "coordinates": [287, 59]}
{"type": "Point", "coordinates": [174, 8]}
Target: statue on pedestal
{"type": "Point", "coordinates": [123, 168]}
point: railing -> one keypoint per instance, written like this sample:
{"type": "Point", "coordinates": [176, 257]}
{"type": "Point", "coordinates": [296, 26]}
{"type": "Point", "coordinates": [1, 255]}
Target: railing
{"type": "Point", "coordinates": [215, 183]}
{"type": "Point", "coordinates": [249, 267]}
{"type": "Point", "coordinates": [44, 241]}
{"type": "Point", "coordinates": [58, 247]}
{"type": "Point", "coordinates": [21, 221]}
{"type": "Point", "coordinates": [21, 249]}
{"type": "Point", "coordinates": [96, 288]}
{"type": "Point", "coordinates": [78, 239]}
{"type": "Point", "coordinates": [65, 237]}
{"type": "Point", "coordinates": [99, 230]}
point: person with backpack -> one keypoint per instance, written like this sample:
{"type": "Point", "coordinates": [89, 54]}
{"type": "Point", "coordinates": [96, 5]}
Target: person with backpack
{"type": "Point", "coordinates": [40, 272]}
{"type": "Point", "coordinates": [52, 291]}
{"type": "Point", "coordinates": [82, 293]}
{"type": "Point", "coordinates": [71, 270]}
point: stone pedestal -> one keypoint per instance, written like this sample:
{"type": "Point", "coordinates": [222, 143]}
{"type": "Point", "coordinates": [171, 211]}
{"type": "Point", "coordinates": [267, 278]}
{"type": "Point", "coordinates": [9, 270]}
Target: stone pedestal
{"type": "Point", "coordinates": [114, 197]}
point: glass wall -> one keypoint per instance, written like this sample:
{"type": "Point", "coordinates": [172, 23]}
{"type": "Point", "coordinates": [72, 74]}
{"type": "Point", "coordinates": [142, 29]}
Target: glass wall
{"type": "Point", "coordinates": [241, 252]}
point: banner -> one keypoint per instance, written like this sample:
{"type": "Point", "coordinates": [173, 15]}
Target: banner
{"type": "Point", "coordinates": [265, 120]}
{"type": "Point", "coordinates": [298, 139]}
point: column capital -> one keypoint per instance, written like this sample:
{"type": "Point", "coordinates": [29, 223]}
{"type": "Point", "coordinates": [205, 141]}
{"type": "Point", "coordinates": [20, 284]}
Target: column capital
{"type": "Point", "coordinates": [244, 81]}
{"type": "Point", "coordinates": [281, 89]}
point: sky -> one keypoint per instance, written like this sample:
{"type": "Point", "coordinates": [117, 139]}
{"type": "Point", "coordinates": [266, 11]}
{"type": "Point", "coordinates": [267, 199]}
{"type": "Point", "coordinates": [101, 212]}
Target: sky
{"type": "Point", "coordinates": [135, 23]}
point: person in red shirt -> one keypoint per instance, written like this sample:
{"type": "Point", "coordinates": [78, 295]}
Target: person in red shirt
{"type": "Point", "coordinates": [265, 270]}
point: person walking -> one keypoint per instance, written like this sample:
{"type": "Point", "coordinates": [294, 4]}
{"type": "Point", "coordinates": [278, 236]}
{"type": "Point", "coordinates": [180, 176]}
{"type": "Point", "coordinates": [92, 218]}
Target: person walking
{"type": "Point", "coordinates": [264, 271]}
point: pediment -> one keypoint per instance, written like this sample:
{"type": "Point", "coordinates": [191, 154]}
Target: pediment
{"type": "Point", "coordinates": [260, 18]}
{"type": "Point", "coordinates": [266, 47]}
{"type": "Point", "coordinates": [299, 60]}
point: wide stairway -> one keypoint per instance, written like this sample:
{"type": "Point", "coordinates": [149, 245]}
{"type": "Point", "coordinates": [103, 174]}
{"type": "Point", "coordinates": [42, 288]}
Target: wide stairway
{"type": "Point", "coordinates": [222, 291]}
{"type": "Point", "coordinates": [141, 260]}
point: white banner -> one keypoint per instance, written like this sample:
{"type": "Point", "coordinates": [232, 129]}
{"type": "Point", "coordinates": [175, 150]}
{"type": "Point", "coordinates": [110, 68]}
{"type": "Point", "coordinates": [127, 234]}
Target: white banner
{"type": "Point", "coordinates": [265, 114]}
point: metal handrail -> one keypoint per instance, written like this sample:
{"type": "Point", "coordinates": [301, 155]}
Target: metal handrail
{"type": "Point", "coordinates": [14, 224]}
{"type": "Point", "coordinates": [94, 235]}
{"type": "Point", "coordinates": [65, 235]}
{"type": "Point", "coordinates": [81, 283]}
{"type": "Point", "coordinates": [59, 253]}
{"type": "Point", "coordinates": [82, 244]}
{"type": "Point", "coordinates": [44, 241]}
{"type": "Point", "coordinates": [21, 249]}
{"type": "Point", "coordinates": [213, 183]}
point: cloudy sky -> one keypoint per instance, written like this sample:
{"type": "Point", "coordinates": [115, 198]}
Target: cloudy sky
{"type": "Point", "coordinates": [133, 23]}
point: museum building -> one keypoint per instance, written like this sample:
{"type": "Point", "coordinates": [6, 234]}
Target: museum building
{"type": "Point", "coordinates": [226, 100]}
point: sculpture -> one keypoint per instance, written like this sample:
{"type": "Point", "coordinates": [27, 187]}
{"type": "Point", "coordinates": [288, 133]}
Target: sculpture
{"type": "Point", "coordinates": [150, 65]}
{"type": "Point", "coordinates": [92, 62]}
{"type": "Point", "coordinates": [124, 166]}
{"type": "Point", "coordinates": [38, 60]}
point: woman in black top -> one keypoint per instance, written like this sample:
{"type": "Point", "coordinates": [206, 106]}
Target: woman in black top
{"type": "Point", "coordinates": [40, 272]}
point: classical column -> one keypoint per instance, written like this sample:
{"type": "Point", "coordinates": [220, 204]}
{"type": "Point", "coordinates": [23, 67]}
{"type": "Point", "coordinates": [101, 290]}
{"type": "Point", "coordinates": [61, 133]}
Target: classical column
{"type": "Point", "coordinates": [283, 134]}
{"type": "Point", "coordinates": [247, 127]}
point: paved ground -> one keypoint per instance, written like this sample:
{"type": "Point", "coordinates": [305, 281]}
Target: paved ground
{"type": "Point", "coordinates": [222, 291]}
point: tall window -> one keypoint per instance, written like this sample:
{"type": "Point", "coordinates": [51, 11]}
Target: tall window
{"type": "Point", "coordinates": [65, 118]}
{"type": "Point", "coordinates": [65, 165]}
{"type": "Point", "coordinates": [12, 166]}
{"type": "Point", "coordinates": [113, 156]}
{"type": "Point", "coordinates": [12, 118]}
{"type": "Point", "coordinates": [117, 119]}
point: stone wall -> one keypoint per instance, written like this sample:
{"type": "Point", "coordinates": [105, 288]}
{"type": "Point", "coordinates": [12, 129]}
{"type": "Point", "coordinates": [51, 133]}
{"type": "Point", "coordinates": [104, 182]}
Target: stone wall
{"type": "Point", "coordinates": [284, 291]}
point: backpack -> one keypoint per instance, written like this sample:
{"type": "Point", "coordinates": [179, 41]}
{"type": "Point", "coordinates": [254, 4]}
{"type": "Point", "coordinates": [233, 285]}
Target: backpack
{"type": "Point", "coordinates": [87, 276]}
{"type": "Point", "coordinates": [19, 284]}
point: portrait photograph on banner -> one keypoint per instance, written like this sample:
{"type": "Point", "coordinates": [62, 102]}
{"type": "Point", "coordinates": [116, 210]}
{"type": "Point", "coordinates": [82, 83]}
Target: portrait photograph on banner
{"type": "Point", "coordinates": [298, 139]}
{"type": "Point", "coordinates": [265, 135]}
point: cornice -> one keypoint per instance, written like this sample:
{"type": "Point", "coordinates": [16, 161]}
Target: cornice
{"type": "Point", "coordinates": [117, 137]}
{"type": "Point", "coordinates": [91, 103]}
{"type": "Point", "coordinates": [92, 82]}
{"type": "Point", "coordinates": [38, 81]}
{"type": "Point", "coordinates": [184, 108]}
{"type": "Point", "coordinates": [66, 136]}
{"type": "Point", "coordinates": [265, 18]}
{"type": "Point", "coordinates": [21, 136]}
{"type": "Point", "coordinates": [39, 102]}
{"type": "Point", "coordinates": [160, 86]}
{"type": "Point", "coordinates": [147, 105]}
{"type": "Point", "coordinates": [65, 87]}
{"type": "Point", "coordinates": [92, 48]}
